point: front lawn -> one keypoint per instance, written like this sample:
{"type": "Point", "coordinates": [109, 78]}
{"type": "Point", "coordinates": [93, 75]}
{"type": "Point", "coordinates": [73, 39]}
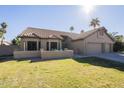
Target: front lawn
{"type": "Point", "coordinates": [88, 72]}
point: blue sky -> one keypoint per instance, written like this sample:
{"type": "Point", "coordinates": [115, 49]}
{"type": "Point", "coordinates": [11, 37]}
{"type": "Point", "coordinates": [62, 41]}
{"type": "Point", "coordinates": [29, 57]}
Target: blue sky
{"type": "Point", "coordinates": [60, 18]}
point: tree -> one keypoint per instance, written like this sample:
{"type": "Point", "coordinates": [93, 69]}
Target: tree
{"type": "Point", "coordinates": [2, 31]}
{"type": "Point", "coordinates": [13, 42]}
{"type": "Point", "coordinates": [119, 38]}
{"type": "Point", "coordinates": [16, 41]}
{"type": "Point", "coordinates": [71, 28]}
{"type": "Point", "coordinates": [113, 34]}
{"type": "Point", "coordinates": [95, 22]}
{"type": "Point", "coordinates": [118, 45]}
{"type": "Point", "coordinates": [4, 25]}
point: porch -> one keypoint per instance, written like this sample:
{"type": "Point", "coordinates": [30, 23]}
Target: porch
{"type": "Point", "coordinates": [38, 44]}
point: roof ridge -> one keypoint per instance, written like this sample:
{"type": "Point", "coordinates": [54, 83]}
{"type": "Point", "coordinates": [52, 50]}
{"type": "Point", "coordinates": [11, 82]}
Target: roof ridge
{"type": "Point", "coordinates": [96, 29]}
{"type": "Point", "coordinates": [51, 30]}
{"type": "Point", "coordinates": [87, 33]}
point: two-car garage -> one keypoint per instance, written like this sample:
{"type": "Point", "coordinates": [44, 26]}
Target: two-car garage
{"type": "Point", "coordinates": [93, 42]}
{"type": "Point", "coordinates": [98, 48]}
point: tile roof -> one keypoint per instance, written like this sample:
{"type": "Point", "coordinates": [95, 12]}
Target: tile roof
{"type": "Point", "coordinates": [83, 35]}
{"type": "Point", "coordinates": [45, 33]}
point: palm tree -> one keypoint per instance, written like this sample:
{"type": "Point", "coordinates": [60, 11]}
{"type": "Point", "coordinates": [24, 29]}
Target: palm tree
{"type": "Point", "coordinates": [71, 28]}
{"type": "Point", "coordinates": [113, 34]}
{"type": "Point", "coordinates": [3, 25]}
{"type": "Point", "coordinates": [95, 22]}
{"type": "Point", "coordinates": [2, 31]}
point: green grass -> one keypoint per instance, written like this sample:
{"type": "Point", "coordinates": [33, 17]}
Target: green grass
{"type": "Point", "coordinates": [88, 72]}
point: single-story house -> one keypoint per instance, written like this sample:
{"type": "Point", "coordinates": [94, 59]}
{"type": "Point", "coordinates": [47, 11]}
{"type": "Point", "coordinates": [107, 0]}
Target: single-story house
{"type": "Point", "coordinates": [91, 42]}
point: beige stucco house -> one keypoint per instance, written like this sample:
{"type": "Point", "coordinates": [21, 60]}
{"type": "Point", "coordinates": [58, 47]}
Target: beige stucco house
{"type": "Point", "coordinates": [96, 41]}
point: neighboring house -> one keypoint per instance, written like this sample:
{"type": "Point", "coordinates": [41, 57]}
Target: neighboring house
{"type": "Point", "coordinates": [90, 42]}
{"type": "Point", "coordinates": [6, 48]}
{"type": "Point", "coordinates": [7, 43]}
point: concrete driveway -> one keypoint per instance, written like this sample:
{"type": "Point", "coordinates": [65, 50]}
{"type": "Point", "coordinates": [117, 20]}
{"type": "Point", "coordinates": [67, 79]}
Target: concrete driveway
{"type": "Point", "coordinates": [112, 56]}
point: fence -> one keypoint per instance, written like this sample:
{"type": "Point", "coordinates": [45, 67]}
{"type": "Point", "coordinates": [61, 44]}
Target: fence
{"type": "Point", "coordinates": [43, 54]}
{"type": "Point", "coordinates": [8, 50]}
{"type": "Point", "coordinates": [26, 54]}
{"type": "Point", "coordinates": [56, 54]}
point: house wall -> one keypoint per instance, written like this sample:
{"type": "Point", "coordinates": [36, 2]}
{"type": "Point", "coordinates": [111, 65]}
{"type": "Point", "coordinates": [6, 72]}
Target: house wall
{"type": "Point", "coordinates": [43, 42]}
{"type": "Point", "coordinates": [68, 43]}
{"type": "Point", "coordinates": [78, 47]}
{"type": "Point", "coordinates": [99, 39]}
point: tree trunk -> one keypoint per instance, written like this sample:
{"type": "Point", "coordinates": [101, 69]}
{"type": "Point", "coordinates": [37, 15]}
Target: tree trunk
{"type": "Point", "coordinates": [2, 40]}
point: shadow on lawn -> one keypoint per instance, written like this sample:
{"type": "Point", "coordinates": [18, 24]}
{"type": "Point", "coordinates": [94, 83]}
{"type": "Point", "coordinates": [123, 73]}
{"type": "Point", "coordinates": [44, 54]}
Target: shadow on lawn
{"type": "Point", "coordinates": [5, 58]}
{"type": "Point", "coordinates": [31, 60]}
{"type": "Point", "coordinates": [102, 62]}
{"type": "Point", "coordinates": [90, 60]}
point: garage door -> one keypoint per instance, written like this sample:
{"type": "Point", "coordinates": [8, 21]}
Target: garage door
{"type": "Point", "coordinates": [94, 48]}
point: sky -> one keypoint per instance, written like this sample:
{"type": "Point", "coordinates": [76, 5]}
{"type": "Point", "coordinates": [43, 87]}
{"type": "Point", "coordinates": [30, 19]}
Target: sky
{"type": "Point", "coordinates": [60, 18]}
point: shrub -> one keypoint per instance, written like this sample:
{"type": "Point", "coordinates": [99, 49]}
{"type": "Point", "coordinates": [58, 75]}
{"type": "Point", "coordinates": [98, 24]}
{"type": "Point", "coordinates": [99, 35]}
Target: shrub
{"type": "Point", "coordinates": [118, 46]}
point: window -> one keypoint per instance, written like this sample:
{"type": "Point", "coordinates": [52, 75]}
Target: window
{"type": "Point", "coordinates": [31, 45]}
{"type": "Point", "coordinates": [53, 45]}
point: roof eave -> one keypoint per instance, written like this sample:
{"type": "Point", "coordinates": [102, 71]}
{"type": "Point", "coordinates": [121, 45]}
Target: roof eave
{"type": "Point", "coordinates": [37, 37]}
